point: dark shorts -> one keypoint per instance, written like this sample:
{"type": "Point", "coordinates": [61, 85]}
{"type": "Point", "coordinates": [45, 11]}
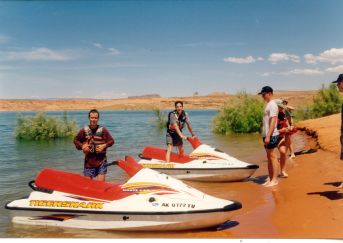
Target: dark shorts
{"type": "Point", "coordinates": [174, 139]}
{"type": "Point", "coordinates": [95, 171]}
{"type": "Point", "coordinates": [274, 140]}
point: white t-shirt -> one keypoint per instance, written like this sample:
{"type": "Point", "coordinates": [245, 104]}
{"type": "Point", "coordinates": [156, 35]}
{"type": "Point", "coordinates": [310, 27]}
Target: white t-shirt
{"type": "Point", "coordinates": [270, 111]}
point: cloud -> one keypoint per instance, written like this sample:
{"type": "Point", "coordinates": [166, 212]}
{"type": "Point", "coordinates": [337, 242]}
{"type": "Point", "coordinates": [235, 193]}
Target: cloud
{"type": "Point", "coordinates": [267, 74]}
{"type": "Point", "coordinates": [38, 54]}
{"type": "Point", "coordinates": [278, 57]}
{"type": "Point", "coordinates": [333, 56]}
{"type": "Point", "coordinates": [110, 51]}
{"type": "Point", "coordinates": [337, 69]}
{"type": "Point", "coordinates": [97, 45]}
{"type": "Point", "coordinates": [240, 60]}
{"type": "Point", "coordinates": [113, 51]}
{"type": "Point", "coordinates": [307, 72]}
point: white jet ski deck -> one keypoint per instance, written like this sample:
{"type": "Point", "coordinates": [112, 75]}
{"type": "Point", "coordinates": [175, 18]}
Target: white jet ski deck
{"type": "Point", "coordinates": [149, 200]}
{"type": "Point", "coordinates": [205, 163]}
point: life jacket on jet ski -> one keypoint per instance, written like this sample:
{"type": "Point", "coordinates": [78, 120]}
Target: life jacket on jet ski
{"type": "Point", "coordinates": [180, 120]}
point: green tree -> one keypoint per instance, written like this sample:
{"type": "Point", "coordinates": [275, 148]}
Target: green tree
{"type": "Point", "coordinates": [328, 101]}
{"type": "Point", "coordinates": [43, 127]}
{"type": "Point", "coordinates": [241, 114]}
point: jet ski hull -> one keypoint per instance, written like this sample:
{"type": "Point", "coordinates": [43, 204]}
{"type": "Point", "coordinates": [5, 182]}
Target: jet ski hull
{"type": "Point", "coordinates": [124, 221]}
{"type": "Point", "coordinates": [149, 200]}
{"type": "Point", "coordinates": [205, 163]}
{"type": "Point", "coordinates": [209, 175]}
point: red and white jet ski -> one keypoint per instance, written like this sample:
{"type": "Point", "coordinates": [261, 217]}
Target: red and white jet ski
{"type": "Point", "coordinates": [205, 163]}
{"type": "Point", "coordinates": [149, 200]}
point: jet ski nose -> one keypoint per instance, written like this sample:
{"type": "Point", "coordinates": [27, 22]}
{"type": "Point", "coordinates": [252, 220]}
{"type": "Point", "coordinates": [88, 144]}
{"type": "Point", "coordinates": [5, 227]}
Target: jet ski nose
{"type": "Point", "coordinates": [253, 166]}
{"type": "Point", "coordinates": [234, 206]}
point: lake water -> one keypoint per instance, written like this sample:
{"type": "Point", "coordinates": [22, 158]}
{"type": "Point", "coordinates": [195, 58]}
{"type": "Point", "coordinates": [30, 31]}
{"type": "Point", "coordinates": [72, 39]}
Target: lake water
{"type": "Point", "coordinates": [20, 161]}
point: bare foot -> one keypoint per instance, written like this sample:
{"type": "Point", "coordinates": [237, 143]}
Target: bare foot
{"type": "Point", "coordinates": [283, 175]}
{"type": "Point", "coordinates": [266, 182]}
{"type": "Point", "coordinates": [272, 183]}
{"type": "Point", "coordinates": [292, 156]}
{"type": "Point", "coordinates": [340, 186]}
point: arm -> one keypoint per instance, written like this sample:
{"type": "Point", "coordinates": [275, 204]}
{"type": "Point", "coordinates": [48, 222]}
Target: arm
{"type": "Point", "coordinates": [190, 129]}
{"type": "Point", "coordinates": [272, 123]}
{"type": "Point", "coordinates": [79, 139]}
{"type": "Point", "coordinates": [188, 122]}
{"type": "Point", "coordinates": [108, 138]}
{"type": "Point", "coordinates": [177, 129]}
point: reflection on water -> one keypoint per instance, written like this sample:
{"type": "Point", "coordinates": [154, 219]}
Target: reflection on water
{"type": "Point", "coordinates": [20, 161]}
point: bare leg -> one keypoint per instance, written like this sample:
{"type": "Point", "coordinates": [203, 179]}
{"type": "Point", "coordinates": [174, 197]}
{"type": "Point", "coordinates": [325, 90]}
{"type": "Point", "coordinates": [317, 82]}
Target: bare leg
{"type": "Point", "coordinates": [289, 146]}
{"type": "Point", "coordinates": [169, 149]}
{"type": "Point", "coordinates": [282, 149]}
{"type": "Point", "coordinates": [181, 150]}
{"type": "Point", "coordinates": [101, 177]}
{"type": "Point", "coordinates": [272, 167]}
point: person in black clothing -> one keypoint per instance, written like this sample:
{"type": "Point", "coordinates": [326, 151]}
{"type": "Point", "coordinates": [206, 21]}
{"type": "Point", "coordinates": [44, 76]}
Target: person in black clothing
{"type": "Point", "coordinates": [176, 121]}
{"type": "Point", "coordinates": [339, 83]}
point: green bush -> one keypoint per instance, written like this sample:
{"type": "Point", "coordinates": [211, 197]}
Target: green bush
{"type": "Point", "coordinates": [241, 114]}
{"type": "Point", "coordinates": [328, 101]}
{"type": "Point", "coordinates": [159, 119]}
{"type": "Point", "coordinates": [43, 127]}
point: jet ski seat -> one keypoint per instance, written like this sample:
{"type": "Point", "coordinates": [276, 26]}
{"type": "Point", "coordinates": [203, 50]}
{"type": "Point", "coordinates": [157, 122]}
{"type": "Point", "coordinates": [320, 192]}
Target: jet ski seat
{"type": "Point", "coordinates": [160, 154]}
{"type": "Point", "coordinates": [67, 182]}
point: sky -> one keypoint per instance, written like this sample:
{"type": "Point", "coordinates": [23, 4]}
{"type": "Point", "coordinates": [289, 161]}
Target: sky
{"type": "Point", "coordinates": [116, 49]}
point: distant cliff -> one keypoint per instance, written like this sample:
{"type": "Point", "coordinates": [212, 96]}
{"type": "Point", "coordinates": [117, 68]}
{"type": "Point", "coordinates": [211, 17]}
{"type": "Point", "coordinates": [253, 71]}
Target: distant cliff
{"type": "Point", "coordinates": [145, 96]}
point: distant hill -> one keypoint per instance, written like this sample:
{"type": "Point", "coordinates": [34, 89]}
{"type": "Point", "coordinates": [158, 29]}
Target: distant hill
{"type": "Point", "coordinates": [145, 96]}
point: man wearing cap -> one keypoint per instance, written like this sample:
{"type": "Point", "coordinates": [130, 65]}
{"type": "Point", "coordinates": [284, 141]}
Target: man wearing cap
{"type": "Point", "coordinates": [270, 134]}
{"type": "Point", "coordinates": [339, 83]}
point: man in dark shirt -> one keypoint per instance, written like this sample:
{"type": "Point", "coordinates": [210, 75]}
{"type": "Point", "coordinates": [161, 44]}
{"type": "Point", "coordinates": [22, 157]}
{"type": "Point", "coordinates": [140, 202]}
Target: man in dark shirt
{"type": "Point", "coordinates": [339, 83]}
{"type": "Point", "coordinates": [93, 140]}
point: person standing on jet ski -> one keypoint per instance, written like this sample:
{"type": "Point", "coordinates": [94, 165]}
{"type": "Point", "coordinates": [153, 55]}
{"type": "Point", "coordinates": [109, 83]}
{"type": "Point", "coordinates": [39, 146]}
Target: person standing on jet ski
{"type": "Point", "coordinates": [176, 121]}
{"type": "Point", "coordinates": [93, 140]}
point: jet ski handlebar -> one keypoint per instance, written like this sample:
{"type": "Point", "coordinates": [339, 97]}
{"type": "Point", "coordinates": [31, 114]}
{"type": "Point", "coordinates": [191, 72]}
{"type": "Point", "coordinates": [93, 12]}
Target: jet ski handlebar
{"type": "Point", "coordinates": [115, 162]}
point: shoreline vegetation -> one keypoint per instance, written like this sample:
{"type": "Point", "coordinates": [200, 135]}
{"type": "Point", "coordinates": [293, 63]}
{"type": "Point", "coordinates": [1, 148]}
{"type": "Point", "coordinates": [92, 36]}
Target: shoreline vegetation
{"type": "Point", "coordinates": [43, 127]}
{"type": "Point", "coordinates": [241, 114]}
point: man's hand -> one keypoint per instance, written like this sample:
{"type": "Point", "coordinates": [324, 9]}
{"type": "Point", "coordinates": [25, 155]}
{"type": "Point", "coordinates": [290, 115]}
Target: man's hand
{"type": "Point", "coordinates": [183, 137]}
{"type": "Point", "coordinates": [85, 148]}
{"type": "Point", "coordinates": [100, 148]}
{"type": "Point", "coordinates": [267, 140]}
